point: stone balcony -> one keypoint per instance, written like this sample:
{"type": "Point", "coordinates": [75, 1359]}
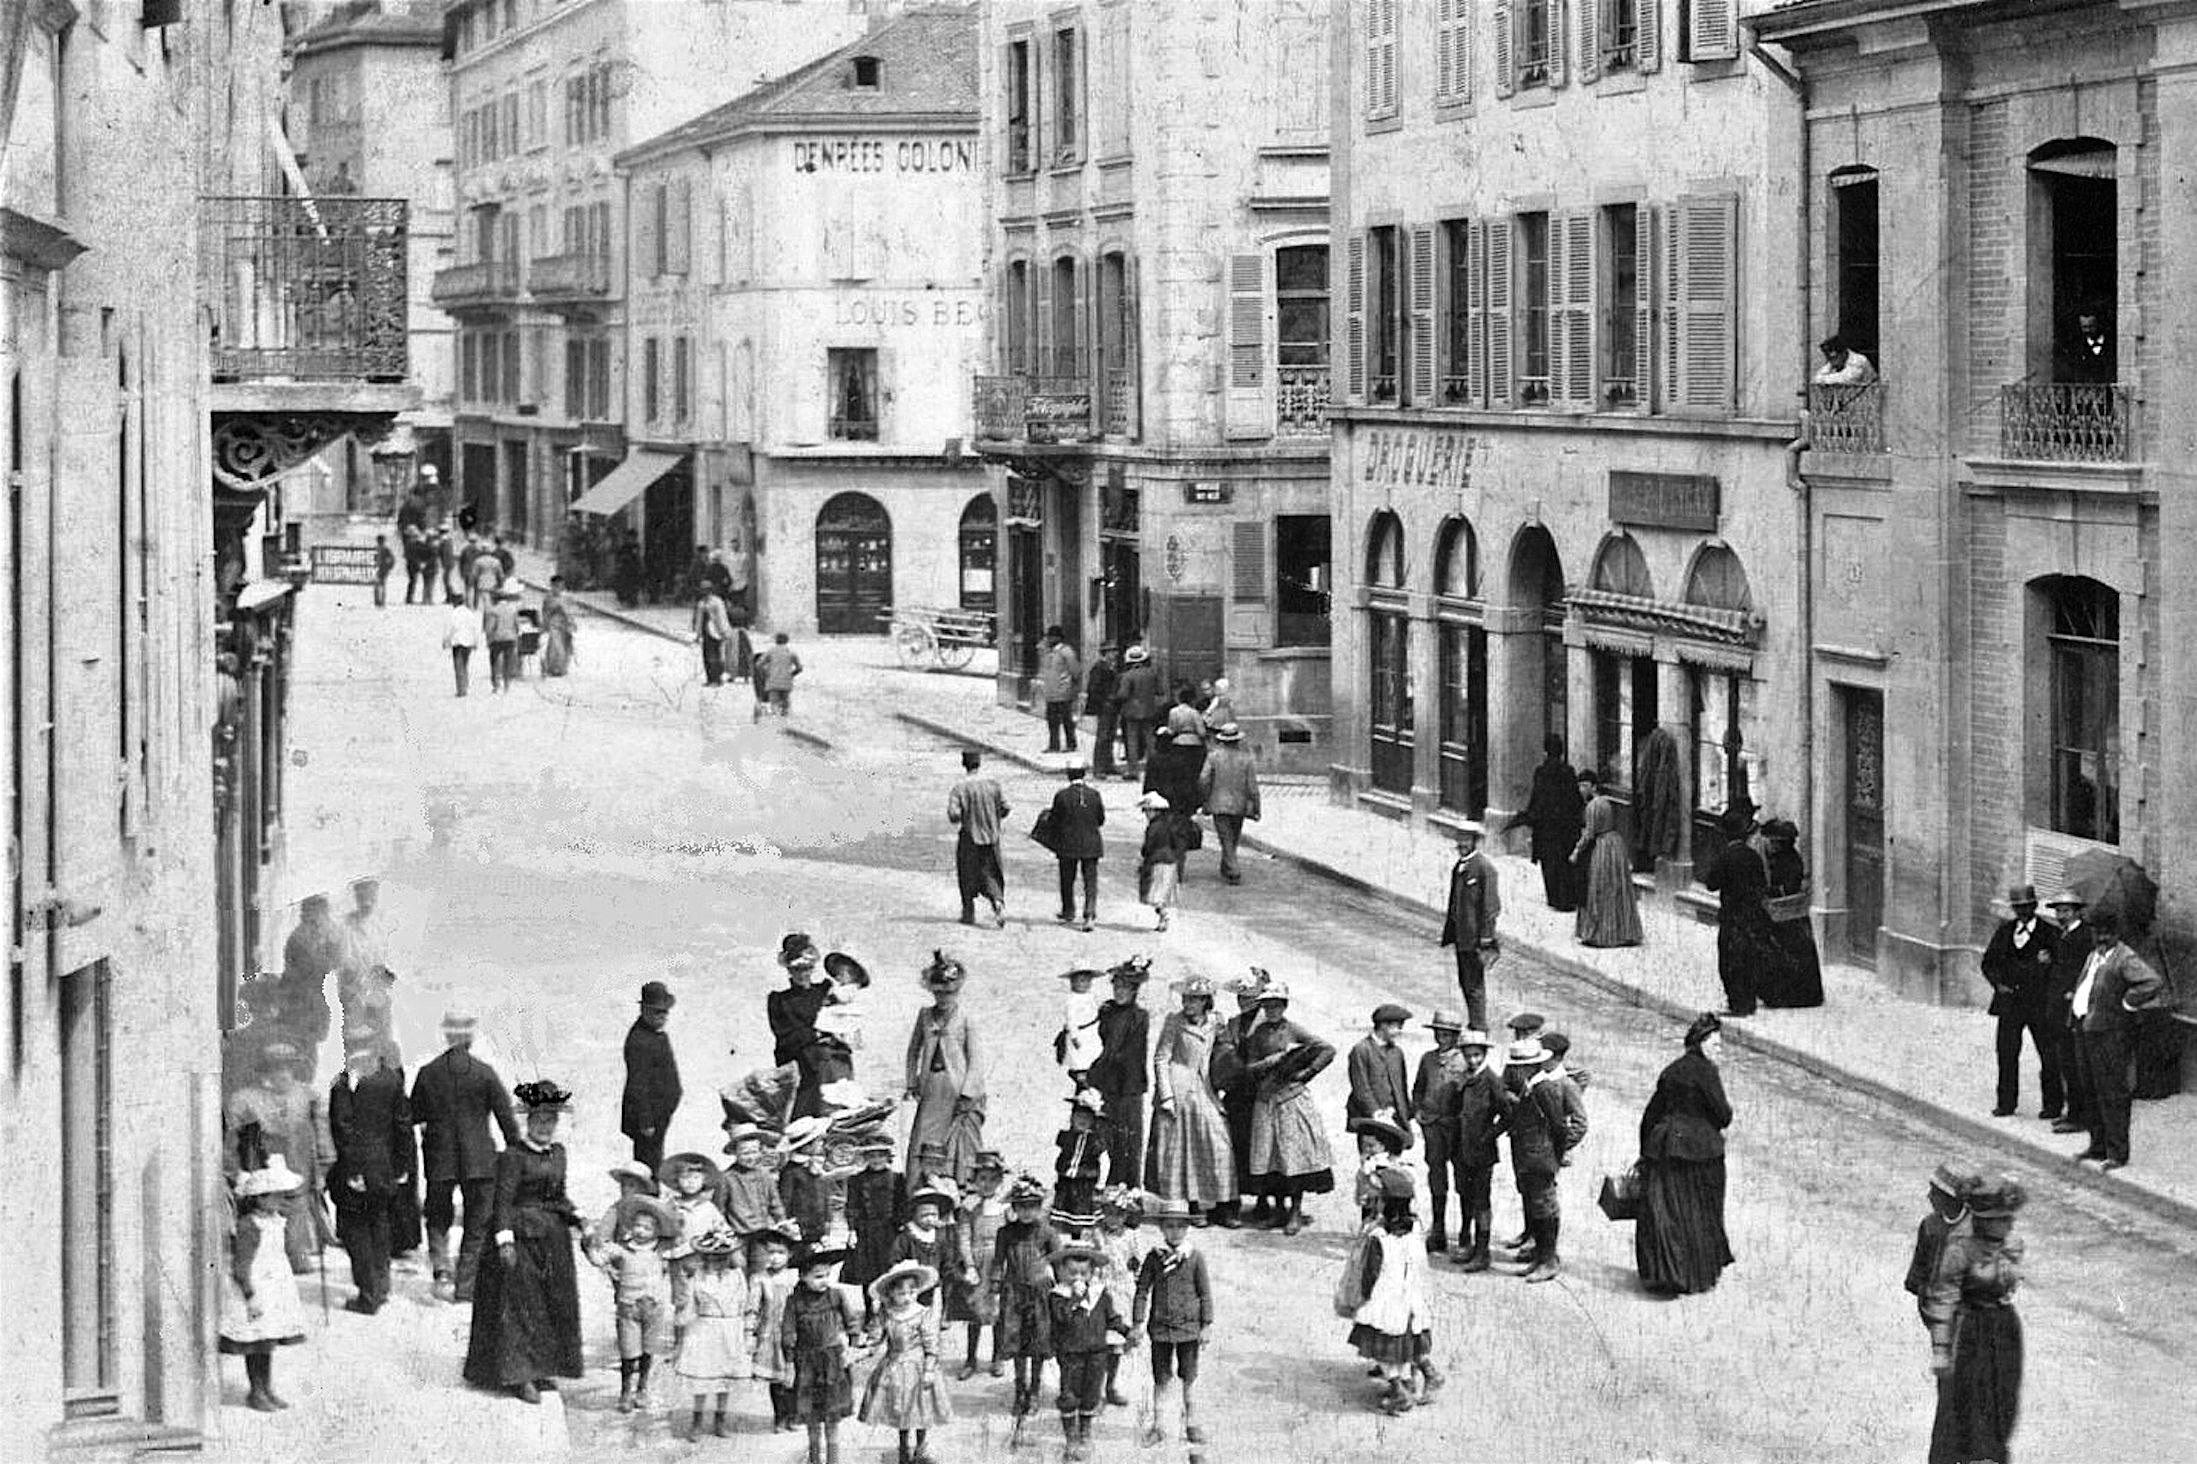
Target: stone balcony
{"type": "Point", "coordinates": [491, 282]}
{"type": "Point", "coordinates": [569, 281]}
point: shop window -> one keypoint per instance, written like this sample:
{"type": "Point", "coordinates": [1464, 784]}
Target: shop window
{"type": "Point", "coordinates": [2083, 649]}
{"type": "Point", "coordinates": [1533, 309]}
{"type": "Point", "coordinates": [1457, 562]}
{"type": "Point", "coordinates": [853, 377]}
{"type": "Point", "coordinates": [1719, 707]}
{"type": "Point", "coordinates": [1854, 268]}
{"type": "Point", "coordinates": [1302, 570]}
{"type": "Point", "coordinates": [1624, 713]}
{"type": "Point", "coordinates": [1385, 552]}
{"type": "Point", "coordinates": [86, 1220]}
{"type": "Point", "coordinates": [1388, 313]}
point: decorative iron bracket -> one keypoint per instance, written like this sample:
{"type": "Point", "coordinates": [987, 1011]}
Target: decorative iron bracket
{"type": "Point", "coordinates": [253, 451]}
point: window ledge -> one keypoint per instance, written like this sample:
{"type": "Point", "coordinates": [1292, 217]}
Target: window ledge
{"type": "Point", "coordinates": [1065, 168]}
{"type": "Point", "coordinates": [1117, 160]}
{"type": "Point", "coordinates": [1846, 467]}
{"type": "Point", "coordinates": [1715, 70]}
{"type": "Point", "coordinates": [1392, 804]}
{"type": "Point", "coordinates": [1297, 653]}
{"type": "Point", "coordinates": [1621, 83]}
{"type": "Point", "coordinates": [1526, 98]}
{"type": "Point", "coordinates": [1393, 122]}
{"type": "Point", "coordinates": [1453, 109]}
{"type": "Point", "coordinates": [2008, 475]}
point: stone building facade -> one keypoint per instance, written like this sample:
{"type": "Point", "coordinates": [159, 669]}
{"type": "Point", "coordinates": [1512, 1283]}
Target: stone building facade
{"type": "Point", "coordinates": [804, 280]}
{"type": "Point", "coordinates": [1990, 200]}
{"type": "Point", "coordinates": [1568, 378]}
{"type": "Point", "coordinates": [1160, 343]}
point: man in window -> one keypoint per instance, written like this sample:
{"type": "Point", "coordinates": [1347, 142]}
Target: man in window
{"type": "Point", "coordinates": [1843, 365]}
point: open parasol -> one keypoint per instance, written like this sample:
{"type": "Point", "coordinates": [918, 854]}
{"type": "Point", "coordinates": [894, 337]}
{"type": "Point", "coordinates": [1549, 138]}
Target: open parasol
{"type": "Point", "coordinates": [2116, 884]}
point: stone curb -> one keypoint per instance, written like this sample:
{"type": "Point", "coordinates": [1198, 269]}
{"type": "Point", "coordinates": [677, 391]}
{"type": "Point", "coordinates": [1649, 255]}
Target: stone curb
{"type": "Point", "coordinates": [1738, 1034]}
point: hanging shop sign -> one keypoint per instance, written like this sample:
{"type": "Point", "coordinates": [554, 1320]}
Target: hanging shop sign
{"type": "Point", "coordinates": [344, 564]}
{"type": "Point", "coordinates": [1664, 500]}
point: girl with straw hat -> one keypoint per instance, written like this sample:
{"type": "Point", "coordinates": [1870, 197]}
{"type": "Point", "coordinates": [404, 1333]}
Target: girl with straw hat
{"type": "Point", "coordinates": [905, 1392]}
{"type": "Point", "coordinates": [260, 1310]}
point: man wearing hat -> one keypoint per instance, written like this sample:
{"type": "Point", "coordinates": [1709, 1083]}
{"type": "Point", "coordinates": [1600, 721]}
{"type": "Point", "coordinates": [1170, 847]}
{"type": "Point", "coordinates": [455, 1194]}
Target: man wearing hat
{"type": "Point", "coordinates": [500, 621]}
{"type": "Point", "coordinates": [371, 1126]}
{"type": "Point", "coordinates": [2117, 985]}
{"type": "Point", "coordinates": [2070, 953]}
{"type": "Point", "coordinates": [652, 1077]}
{"type": "Point", "coordinates": [1137, 696]}
{"type": "Point", "coordinates": [1122, 1072]}
{"type": "Point", "coordinates": [1057, 675]}
{"type": "Point", "coordinates": [976, 807]}
{"type": "Point", "coordinates": [2018, 963]}
{"type": "Point", "coordinates": [1469, 925]}
{"type": "Point", "coordinates": [1078, 812]}
{"type": "Point", "coordinates": [1740, 875]}
{"type": "Point", "coordinates": [1100, 680]}
{"type": "Point", "coordinates": [1228, 788]}
{"type": "Point", "coordinates": [454, 1099]}
{"type": "Point", "coordinates": [1435, 1091]}
{"type": "Point", "coordinates": [1378, 1082]}
{"type": "Point", "coordinates": [289, 1125]}
{"type": "Point", "coordinates": [1480, 1113]}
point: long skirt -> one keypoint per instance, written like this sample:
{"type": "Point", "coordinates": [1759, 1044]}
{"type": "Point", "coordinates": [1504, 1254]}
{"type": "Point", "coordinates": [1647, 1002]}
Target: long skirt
{"type": "Point", "coordinates": [1978, 1404]}
{"type": "Point", "coordinates": [1795, 977]}
{"type": "Point", "coordinates": [526, 1316]}
{"type": "Point", "coordinates": [1608, 915]}
{"type": "Point", "coordinates": [823, 1386]}
{"type": "Point", "coordinates": [556, 651]}
{"type": "Point", "coordinates": [1289, 1154]}
{"type": "Point", "coordinates": [1192, 1158]}
{"type": "Point", "coordinates": [903, 1394]}
{"type": "Point", "coordinates": [941, 1141]}
{"type": "Point", "coordinates": [1238, 1106]}
{"type": "Point", "coordinates": [1679, 1241]}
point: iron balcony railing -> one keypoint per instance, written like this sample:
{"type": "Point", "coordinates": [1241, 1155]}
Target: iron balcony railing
{"type": "Point", "coordinates": [1846, 418]}
{"type": "Point", "coordinates": [306, 289]}
{"type": "Point", "coordinates": [491, 281]}
{"type": "Point", "coordinates": [1034, 409]}
{"type": "Point", "coordinates": [2066, 422]}
{"type": "Point", "coordinates": [1301, 396]}
{"type": "Point", "coordinates": [574, 277]}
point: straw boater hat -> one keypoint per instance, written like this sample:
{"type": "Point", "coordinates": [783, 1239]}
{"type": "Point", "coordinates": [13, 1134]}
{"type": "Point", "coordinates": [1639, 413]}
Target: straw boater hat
{"type": "Point", "coordinates": [1473, 1037]}
{"type": "Point", "coordinates": [925, 1278]}
{"type": "Point", "coordinates": [276, 1177]}
{"type": "Point", "coordinates": [1136, 655]}
{"type": "Point", "coordinates": [2067, 899]}
{"type": "Point", "coordinates": [1446, 1020]}
{"type": "Point", "coordinates": [1473, 827]}
{"type": "Point", "coordinates": [741, 1132]}
{"type": "Point", "coordinates": [1390, 1134]}
{"type": "Point", "coordinates": [1082, 973]}
{"type": "Point", "coordinates": [1229, 732]}
{"type": "Point", "coordinates": [988, 1161]}
{"type": "Point", "coordinates": [1076, 1250]}
{"type": "Point", "coordinates": [1957, 1180]}
{"type": "Point", "coordinates": [1526, 1050]}
{"type": "Point", "coordinates": [804, 1131]}
{"type": "Point", "coordinates": [1162, 1211]}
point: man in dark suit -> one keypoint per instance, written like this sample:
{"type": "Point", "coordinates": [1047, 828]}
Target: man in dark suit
{"type": "Point", "coordinates": [1556, 813]}
{"type": "Point", "coordinates": [453, 1100]}
{"type": "Point", "coordinates": [1078, 813]}
{"type": "Point", "coordinates": [370, 1125]}
{"type": "Point", "coordinates": [1474, 904]}
{"type": "Point", "coordinates": [1121, 1073]}
{"type": "Point", "coordinates": [2116, 985]}
{"type": "Point", "coordinates": [2018, 964]}
{"type": "Point", "coordinates": [2070, 953]}
{"type": "Point", "coordinates": [652, 1077]}
{"type": "Point", "coordinates": [1379, 1085]}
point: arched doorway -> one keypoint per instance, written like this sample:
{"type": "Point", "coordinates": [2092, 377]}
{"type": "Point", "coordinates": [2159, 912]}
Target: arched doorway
{"type": "Point", "coordinates": [980, 555]}
{"type": "Point", "coordinates": [1624, 680]}
{"type": "Point", "coordinates": [854, 565]}
{"type": "Point", "coordinates": [1462, 646]}
{"type": "Point", "coordinates": [1388, 644]}
{"type": "Point", "coordinates": [1537, 586]}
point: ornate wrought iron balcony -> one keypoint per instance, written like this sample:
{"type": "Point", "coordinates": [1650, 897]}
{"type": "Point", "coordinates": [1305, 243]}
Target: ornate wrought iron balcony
{"type": "Point", "coordinates": [490, 282]}
{"type": "Point", "coordinates": [2066, 422]}
{"type": "Point", "coordinates": [306, 289]}
{"type": "Point", "coordinates": [1301, 401]}
{"type": "Point", "coordinates": [1846, 418]}
{"type": "Point", "coordinates": [1034, 409]}
{"type": "Point", "coordinates": [566, 279]}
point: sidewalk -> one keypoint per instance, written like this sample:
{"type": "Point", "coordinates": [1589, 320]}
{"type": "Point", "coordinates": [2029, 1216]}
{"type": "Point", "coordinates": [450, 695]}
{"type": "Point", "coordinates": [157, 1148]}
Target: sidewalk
{"type": "Point", "coordinates": [1935, 1063]}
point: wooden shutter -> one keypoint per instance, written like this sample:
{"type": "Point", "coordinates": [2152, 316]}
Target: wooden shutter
{"type": "Point", "coordinates": [1247, 561]}
{"type": "Point", "coordinates": [646, 236]}
{"type": "Point", "coordinates": [1575, 289]}
{"type": "Point", "coordinates": [1499, 311]}
{"type": "Point", "coordinates": [1042, 344]}
{"type": "Point", "coordinates": [1506, 79]}
{"type": "Point", "coordinates": [1079, 357]}
{"type": "Point", "coordinates": [1647, 227]}
{"type": "Point", "coordinates": [1558, 42]}
{"type": "Point", "coordinates": [1446, 62]}
{"type": "Point", "coordinates": [1354, 316]}
{"type": "Point", "coordinates": [1420, 345]}
{"type": "Point", "coordinates": [1476, 312]}
{"type": "Point", "coordinates": [679, 228]}
{"type": "Point", "coordinates": [1705, 244]}
{"type": "Point", "coordinates": [1245, 409]}
{"type": "Point", "coordinates": [1648, 34]}
{"type": "Point", "coordinates": [1132, 347]}
{"type": "Point", "coordinates": [1591, 17]}
{"type": "Point", "coordinates": [1713, 30]}
{"type": "Point", "coordinates": [1552, 306]}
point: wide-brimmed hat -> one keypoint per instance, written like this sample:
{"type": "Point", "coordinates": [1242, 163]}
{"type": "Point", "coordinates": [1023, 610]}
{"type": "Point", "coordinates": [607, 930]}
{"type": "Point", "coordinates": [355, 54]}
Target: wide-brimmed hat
{"type": "Point", "coordinates": [543, 1096]}
{"type": "Point", "coordinates": [786, 1233]}
{"type": "Point", "coordinates": [1957, 1180]}
{"type": "Point", "coordinates": [1388, 1011]}
{"type": "Point", "coordinates": [845, 970]}
{"type": "Point", "coordinates": [666, 1218]}
{"type": "Point", "coordinates": [1252, 984]}
{"type": "Point", "coordinates": [741, 1132]}
{"type": "Point", "coordinates": [1446, 1020]}
{"type": "Point", "coordinates": [1164, 1210]}
{"type": "Point", "coordinates": [1136, 655]}
{"type": "Point", "coordinates": [988, 1161]}
{"type": "Point", "coordinates": [1194, 986]}
{"type": "Point", "coordinates": [1075, 1250]}
{"type": "Point", "coordinates": [1228, 732]}
{"type": "Point", "coordinates": [1136, 970]}
{"type": "Point", "coordinates": [1389, 1132]}
{"type": "Point", "coordinates": [937, 1190]}
{"type": "Point", "coordinates": [1473, 1037]}
{"type": "Point", "coordinates": [1781, 830]}
{"type": "Point", "coordinates": [1526, 1022]}
{"type": "Point", "coordinates": [459, 1024]}
{"type": "Point", "coordinates": [804, 1131]}
{"type": "Point", "coordinates": [655, 996]}
{"type": "Point", "coordinates": [1525, 1050]}
{"type": "Point", "coordinates": [2068, 899]}
{"type": "Point", "coordinates": [1473, 827]}
{"type": "Point", "coordinates": [1153, 803]}
{"type": "Point", "coordinates": [1085, 973]}
{"type": "Point", "coordinates": [925, 1277]}
{"type": "Point", "coordinates": [275, 1177]}
{"type": "Point", "coordinates": [818, 1255]}
{"type": "Point", "coordinates": [797, 949]}
{"type": "Point", "coordinates": [668, 1172]}
{"type": "Point", "coordinates": [634, 1170]}
{"type": "Point", "coordinates": [944, 973]}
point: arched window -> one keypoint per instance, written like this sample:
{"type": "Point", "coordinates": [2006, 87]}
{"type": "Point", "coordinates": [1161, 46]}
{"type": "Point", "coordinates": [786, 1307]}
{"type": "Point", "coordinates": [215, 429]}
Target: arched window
{"type": "Point", "coordinates": [979, 554]}
{"type": "Point", "coordinates": [1457, 561]}
{"type": "Point", "coordinates": [1384, 558]}
{"type": "Point", "coordinates": [2082, 634]}
{"type": "Point", "coordinates": [1717, 581]}
{"type": "Point", "coordinates": [1621, 569]}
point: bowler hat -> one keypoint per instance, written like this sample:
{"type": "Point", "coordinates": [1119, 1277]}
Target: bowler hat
{"type": "Point", "coordinates": [655, 996]}
{"type": "Point", "coordinates": [2021, 894]}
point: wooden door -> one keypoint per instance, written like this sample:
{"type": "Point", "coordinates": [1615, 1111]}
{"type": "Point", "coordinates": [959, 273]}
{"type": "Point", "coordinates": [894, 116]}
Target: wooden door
{"type": "Point", "coordinates": [1863, 795]}
{"type": "Point", "coordinates": [854, 566]}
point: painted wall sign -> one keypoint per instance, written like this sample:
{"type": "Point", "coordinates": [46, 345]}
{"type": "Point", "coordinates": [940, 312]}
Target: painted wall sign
{"type": "Point", "coordinates": [1664, 500]}
{"type": "Point", "coordinates": [1400, 457]}
{"type": "Point", "coordinates": [903, 310]}
{"type": "Point", "coordinates": [1206, 491]}
{"type": "Point", "coordinates": [880, 155]}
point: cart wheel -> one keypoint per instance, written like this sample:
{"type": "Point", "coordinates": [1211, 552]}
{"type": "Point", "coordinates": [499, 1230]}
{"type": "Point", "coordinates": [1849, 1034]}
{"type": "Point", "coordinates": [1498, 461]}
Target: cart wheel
{"type": "Point", "coordinates": [914, 644]}
{"type": "Point", "coordinates": [955, 654]}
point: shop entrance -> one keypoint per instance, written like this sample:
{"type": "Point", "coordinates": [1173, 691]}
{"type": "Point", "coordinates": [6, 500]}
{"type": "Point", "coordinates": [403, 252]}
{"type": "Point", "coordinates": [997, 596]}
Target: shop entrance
{"type": "Point", "coordinates": [1863, 798]}
{"type": "Point", "coordinates": [854, 565]}
{"type": "Point", "coordinates": [1537, 584]}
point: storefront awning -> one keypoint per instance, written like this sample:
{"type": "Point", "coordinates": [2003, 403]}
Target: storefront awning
{"type": "Point", "coordinates": [626, 482]}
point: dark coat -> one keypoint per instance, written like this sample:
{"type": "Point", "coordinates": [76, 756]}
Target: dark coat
{"type": "Point", "coordinates": [1554, 811]}
{"type": "Point", "coordinates": [1659, 803]}
{"type": "Point", "coordinates": [1173, 1305]}
{"type": "Point", "coordinates": [1137, 693]}
{"type": "Point", "coordinates": [2069, 955]}
{"type": "Point", "coordinates": [1377, 1081]}
{"type": "Point", "coordinates": [2125, 984]}
{"type": "Point", "coordinates": [792, 1012]}
{"type": "Point", "coordinates": [652, 1083]}
{"type": "Point", "coordinates": [453, 1099]}
{"type": "Point", "coordinates": [1482, 1112]}
{"type": "Point", "coordinates": [371, 1125]}
{"type": "Point", "coordinates": [1687, 1117]}
{"type": "Point", "coordinates": [2019, 979]}
{"type": "Point", "coordinates": [1474, 903]}
{"type": "Point", "coordinates": [1077, 1330]}
{"type": "Point", "coordinates": [1124, 1038]}
{"type": "Point", "coordinates": [1539, 1135]}
{"type": "Point", "coordinates": [1098, 688]}
{"type": "Point", "coordinates": [1740, 878]}
{"type": "Point", "coordinates": [1078, 811]}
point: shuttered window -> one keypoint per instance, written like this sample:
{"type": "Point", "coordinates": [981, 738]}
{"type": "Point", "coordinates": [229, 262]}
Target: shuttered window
{"type": "Point", "coordinates": [1704, 303]}
{"type": "Point", "coordinates": [1380, 58]}
{"type": "Point", "coordinates": [649, 229]}
{"type": "Point", "coordinates": [678, 227]}
{"type": "Point", "coordinates": [1384, 311]}
{"type": "Point", "coordinates": [1453, 312]}
{"type": "Point", "coordinates": [1617, 36]}
{"type": "Point", "coordinates": [1453, 50]}
{"type": "Point", "coordinates": [1506, 58]}
{"type": "Point", "coordinates": [1244, 309]}
{"type": "Point", "coordinates": [1572, 300]}
{"type": "Point", "coordinates": [1247, 562]}
{"type": "Point", "coordinates": [1354, 316]}
{"type": "Point", "coordinates": [1623, 283]}
{"type": "Point", "coordinates": [1500, 262]}
{"type": "Point", "coordinates": [1712, 29]}
{"type": "Point", "coordinates": [1419, 337]}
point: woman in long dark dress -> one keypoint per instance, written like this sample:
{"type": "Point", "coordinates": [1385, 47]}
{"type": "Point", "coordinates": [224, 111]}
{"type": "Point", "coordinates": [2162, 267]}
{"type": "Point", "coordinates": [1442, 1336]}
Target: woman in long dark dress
{"type": "Point", "coordinates": [1609, 914]}
{"type": "Point", "coordinates": [1289, 1153]}
{"type": "Point", "coordinates": [526, 1302]}
{"type": "Point", "coordinates": [1679, 1241]}
{"type": "Point", "coordinates": [1975, 1333]}
{"type": "Point", "coordinates": [1796, 978]}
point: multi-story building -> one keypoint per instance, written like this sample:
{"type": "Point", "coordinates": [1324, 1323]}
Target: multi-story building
{"type": "Point", "coordinates": [1993, 213]}
{"type": "Point", "coordinates": [1156, 195]}
{"type": "Point", "coordinates": [802, 315]}
{"type": "Point", "coordinates": [543, 94]}
{"type": "Point", "coordinates": [1562, 491]}
{"type": "Point", "coordinates": [367, 110]}
{"type": "Point", "coordinates": [174, 336]}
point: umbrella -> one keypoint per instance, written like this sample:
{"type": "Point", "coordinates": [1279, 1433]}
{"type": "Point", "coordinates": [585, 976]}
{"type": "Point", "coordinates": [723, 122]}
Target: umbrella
{"type": "Point", "coordinates": [2114, 883]}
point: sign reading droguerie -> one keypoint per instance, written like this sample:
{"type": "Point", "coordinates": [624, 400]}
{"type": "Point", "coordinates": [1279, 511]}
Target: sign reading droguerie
{"type": "Point", "coordinates": [1664, 500]}
{"type": "Point", "coordinates": [882, 155]}
{"type": "Point", "coordinates": [1416, 457]}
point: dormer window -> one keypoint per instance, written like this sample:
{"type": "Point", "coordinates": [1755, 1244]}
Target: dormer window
{"type": "Point", "coordinates": [866, 71]}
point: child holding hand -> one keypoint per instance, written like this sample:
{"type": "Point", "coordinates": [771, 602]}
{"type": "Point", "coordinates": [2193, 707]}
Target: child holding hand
{"type": "Point", "coordinates": [637, 1261]}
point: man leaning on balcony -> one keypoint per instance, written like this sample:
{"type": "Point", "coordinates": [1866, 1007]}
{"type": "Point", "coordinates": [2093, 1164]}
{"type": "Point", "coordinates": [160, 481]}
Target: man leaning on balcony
{"type": "Point", "coordinates": [2086, 357]}
{"type": "Point", "coordinates": [1843, 365]}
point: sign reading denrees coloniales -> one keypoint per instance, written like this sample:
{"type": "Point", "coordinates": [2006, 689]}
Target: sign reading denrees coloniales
{"type": "Point", "coordinates": [883, 155]}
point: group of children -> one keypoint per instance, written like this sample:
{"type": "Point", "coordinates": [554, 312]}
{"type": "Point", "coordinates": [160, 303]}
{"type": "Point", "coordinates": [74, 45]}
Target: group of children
{"type": "Point", "coordinates": [714, 1274]}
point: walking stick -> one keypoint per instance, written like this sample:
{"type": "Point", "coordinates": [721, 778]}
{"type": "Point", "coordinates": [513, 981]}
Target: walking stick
{"type": "Point", "coordinates": [320, 1256]}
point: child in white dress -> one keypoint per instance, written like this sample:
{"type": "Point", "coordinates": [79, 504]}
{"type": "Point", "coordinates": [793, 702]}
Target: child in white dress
{"type": "Point", "coordinates": [260, 1310]}
{"type": "Point", "coordinates": [713, 1308]}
